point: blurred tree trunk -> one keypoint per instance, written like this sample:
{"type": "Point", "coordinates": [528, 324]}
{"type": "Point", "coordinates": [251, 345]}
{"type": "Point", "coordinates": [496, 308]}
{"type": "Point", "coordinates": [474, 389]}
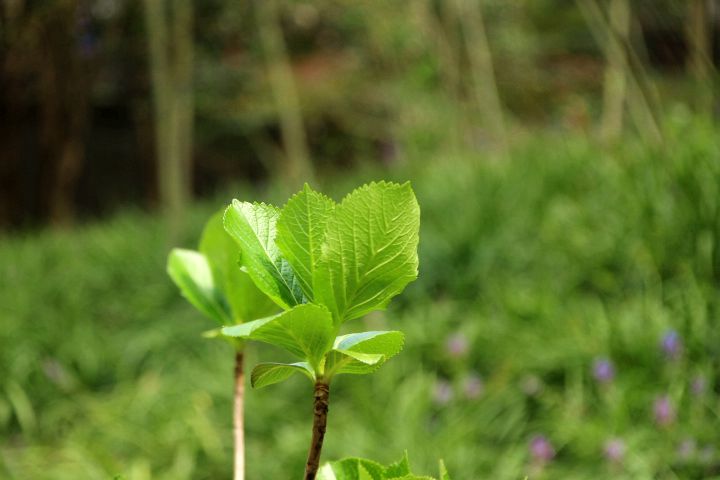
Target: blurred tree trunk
{"type": "Point", "coordinates": [615, 84]}
{"type": "Point", "coordinates": [698, 34]}
{"type": "Point", "coordinates": [625, 83]}
{"type": "Point", "coordinates": [439, 23]}
{"type": "Point", "coordinates": [10, 108]}
{"type": "Point", "coordinates": [298, 167]}
{"type": "Point", "coordinates": [482, 71]}
{"type": "Point", "coordinates": [169, 30]}
{"type": "Point", "coordinates": [64, 86]}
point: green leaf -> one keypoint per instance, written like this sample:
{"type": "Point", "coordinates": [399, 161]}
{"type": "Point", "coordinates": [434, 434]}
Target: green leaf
{"type": "Point", "coordinates": [363, 474]}
{"type": "Point", "coordinates": [305, 331]}
{"type": "Point", "coordinates": [399, 468]}
{"type": "Point", "coordinates": [191, 273]}
{"type": "Point", "coordinates": [370, 250]}
{"type": "Point", "coordinates": [246, 301]}
{"type": "Point", "coordinates": [265, 374]}
{"type": "Point", "coordinates": [443, 471]}
{"type": "Point", "coordinates": [351, 469]}
{"type": "Point", "coordinates": [362, 469]}
{"type": "Point", "coordinates": [362, 353]}
{"type": "Point", "coordinates": [253, 227]}
{"type": "Point", "coordinates": [301, 232]}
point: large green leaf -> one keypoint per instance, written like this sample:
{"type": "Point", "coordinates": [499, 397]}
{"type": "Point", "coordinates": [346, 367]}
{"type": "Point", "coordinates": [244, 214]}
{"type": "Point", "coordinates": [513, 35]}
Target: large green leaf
{"type": "Point", "coordinates": [265, 374]}
{"type": "Point", "coordinates": [362, 353]}
{"type": "Point", "coordinates": [246, 301]}
{"type": "Point", "coordinates": [370, 250]}
{"type": "Point", "coordinates": [305, 331]}
{"type": "Point", "coordinates": [301, 232]}
{"type": "Point", "coordinates": [253, 227]}
{"type": "Point", "coordinates": [191, 272]}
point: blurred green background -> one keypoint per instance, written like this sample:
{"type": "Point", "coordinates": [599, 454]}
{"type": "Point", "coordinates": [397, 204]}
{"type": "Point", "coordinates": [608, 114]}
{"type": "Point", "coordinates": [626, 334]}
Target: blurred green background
{"type": "Point", "coordinates": [566, 157]}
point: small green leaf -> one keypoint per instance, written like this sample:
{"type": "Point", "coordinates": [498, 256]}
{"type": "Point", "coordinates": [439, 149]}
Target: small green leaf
{"type": "Point", "coordinates": [351, 469]}
{"type": "Point", "coordinates": [265, 374]}
{"type": "Point", "coordinates": [362, 353]}
{"type": "Point", "coordinates": [399, 468]}
{"type": "Point", "coordinates": [246, 301]}
{"type": "Point", "coordinates": [305, 331]}
{"type": "Point", "coordinates": [214, 333]}
{"type": "Point", "coordinates": [370, 250]}
{"type": "Point", "coordinates": [363, 474]}
{"type": "Point", "coordinates": [362, 469]}
{"type": "Point", "coordinates": [192, 274]}
{"type": "Point", "coordinates": [443, 471]}
{"type": "Point", "coordinates": [301, 232]}
{"type": "Point", "coordinates": [253, 227]}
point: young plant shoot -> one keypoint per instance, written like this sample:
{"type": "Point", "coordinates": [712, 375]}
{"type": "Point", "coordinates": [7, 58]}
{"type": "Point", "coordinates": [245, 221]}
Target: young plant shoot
{"type": "Point", "coordinates": [325, 264]}
{"type": "Point", "coordinates": [363, 469]}
{"type": "Point", "coordinates": [212, 282]}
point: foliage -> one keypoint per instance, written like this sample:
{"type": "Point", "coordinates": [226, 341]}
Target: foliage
{"type": "Point", "coordinates": [211, 280]}
{"type": "Point", "coordinates": [363, 469]}
{"type": "Point", "coordinates": [540, 264]}
{"type": "Point", "coordinates": [347, 259]}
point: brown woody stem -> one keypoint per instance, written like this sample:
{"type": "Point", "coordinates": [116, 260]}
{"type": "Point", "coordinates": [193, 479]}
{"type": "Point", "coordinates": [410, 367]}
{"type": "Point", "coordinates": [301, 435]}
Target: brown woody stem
{"type": "Point", "coordinates": [322, 398]}
{"type": "Point", "coordinates": [238, 427]}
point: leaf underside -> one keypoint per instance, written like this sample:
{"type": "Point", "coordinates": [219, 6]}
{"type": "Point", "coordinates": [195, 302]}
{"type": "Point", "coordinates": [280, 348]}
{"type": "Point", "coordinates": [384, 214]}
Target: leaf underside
{"type": "Point", "coordinates": [191, 272]}
{"type": "Point", "coordinates": [363, 353]}
{"type": "Point", "coordinates": [265, 374]}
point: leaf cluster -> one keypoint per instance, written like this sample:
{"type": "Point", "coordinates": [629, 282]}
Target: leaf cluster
{"type": "Point", "coordinates": [317, 263]}
{"type": "Point", "coordinates": [323, 264]}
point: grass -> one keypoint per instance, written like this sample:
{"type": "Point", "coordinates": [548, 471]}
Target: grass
{"type": "Point", "coordinates": [541, 265]}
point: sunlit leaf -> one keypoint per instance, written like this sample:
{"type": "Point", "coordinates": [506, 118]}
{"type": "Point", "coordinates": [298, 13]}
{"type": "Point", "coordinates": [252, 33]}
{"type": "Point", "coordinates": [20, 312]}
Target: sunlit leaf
{"type": "Point", "coordinates": [191, 272]}
{"type": "Point", "coordinates": [246, 301]}
{"type": "Point", "coordinates": [301, 232]}
{"type": "Point", "coordinates": [363, 469]}
{"type": "Point", "coordinates": [253, 227]}
{"type": "Point", "coordinates": [362, 353]}
{"type": "Point", "coordinates": [370, 250]}
{"type": "Point", "coordinates": [305, 331]}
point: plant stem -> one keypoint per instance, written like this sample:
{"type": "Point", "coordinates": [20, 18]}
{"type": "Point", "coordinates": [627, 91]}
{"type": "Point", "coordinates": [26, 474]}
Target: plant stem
{"type": "Point", "coordinates": [238, 427]}
{"type": "Point", "coordinates": [322, 399]}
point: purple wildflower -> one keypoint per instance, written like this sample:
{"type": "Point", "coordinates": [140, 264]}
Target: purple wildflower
{"type": "Point", "coordinates": [456, 345]}
{"type": "Point", "coordinates": [473, 386]}
{"type": "Point", "coordinates": [541, 449]}
{"type": "Point", "coordinates": [443, 392]}
{"type": "Point", "coordinates": [603, 370]}
{"type": "Point", "coordinates": [614, 450]}
{"type": "Point", "coordinates": [671, 345]}
{"type": "Point", "coordinates": [687, 449]}
{"type": "Point", "coordinates": [698, 385]}
{"type": "Point", "coordinates": [663, 411]}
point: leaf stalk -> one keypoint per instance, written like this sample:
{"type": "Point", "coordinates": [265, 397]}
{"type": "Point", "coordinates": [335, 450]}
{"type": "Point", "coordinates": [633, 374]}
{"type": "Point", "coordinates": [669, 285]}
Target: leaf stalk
{"type": "Point", "coordinates": [238, 420]}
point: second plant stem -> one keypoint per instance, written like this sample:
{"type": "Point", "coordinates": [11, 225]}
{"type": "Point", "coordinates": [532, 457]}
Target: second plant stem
{"type": "Point", "coordinates": [238, 426]}
{"type": "Point", "coordinates": [322, 399]}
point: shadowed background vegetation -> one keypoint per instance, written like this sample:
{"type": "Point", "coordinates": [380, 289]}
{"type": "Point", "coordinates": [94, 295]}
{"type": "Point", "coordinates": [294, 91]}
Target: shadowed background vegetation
{"type": "Point", "coordinates": [566, 158]}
